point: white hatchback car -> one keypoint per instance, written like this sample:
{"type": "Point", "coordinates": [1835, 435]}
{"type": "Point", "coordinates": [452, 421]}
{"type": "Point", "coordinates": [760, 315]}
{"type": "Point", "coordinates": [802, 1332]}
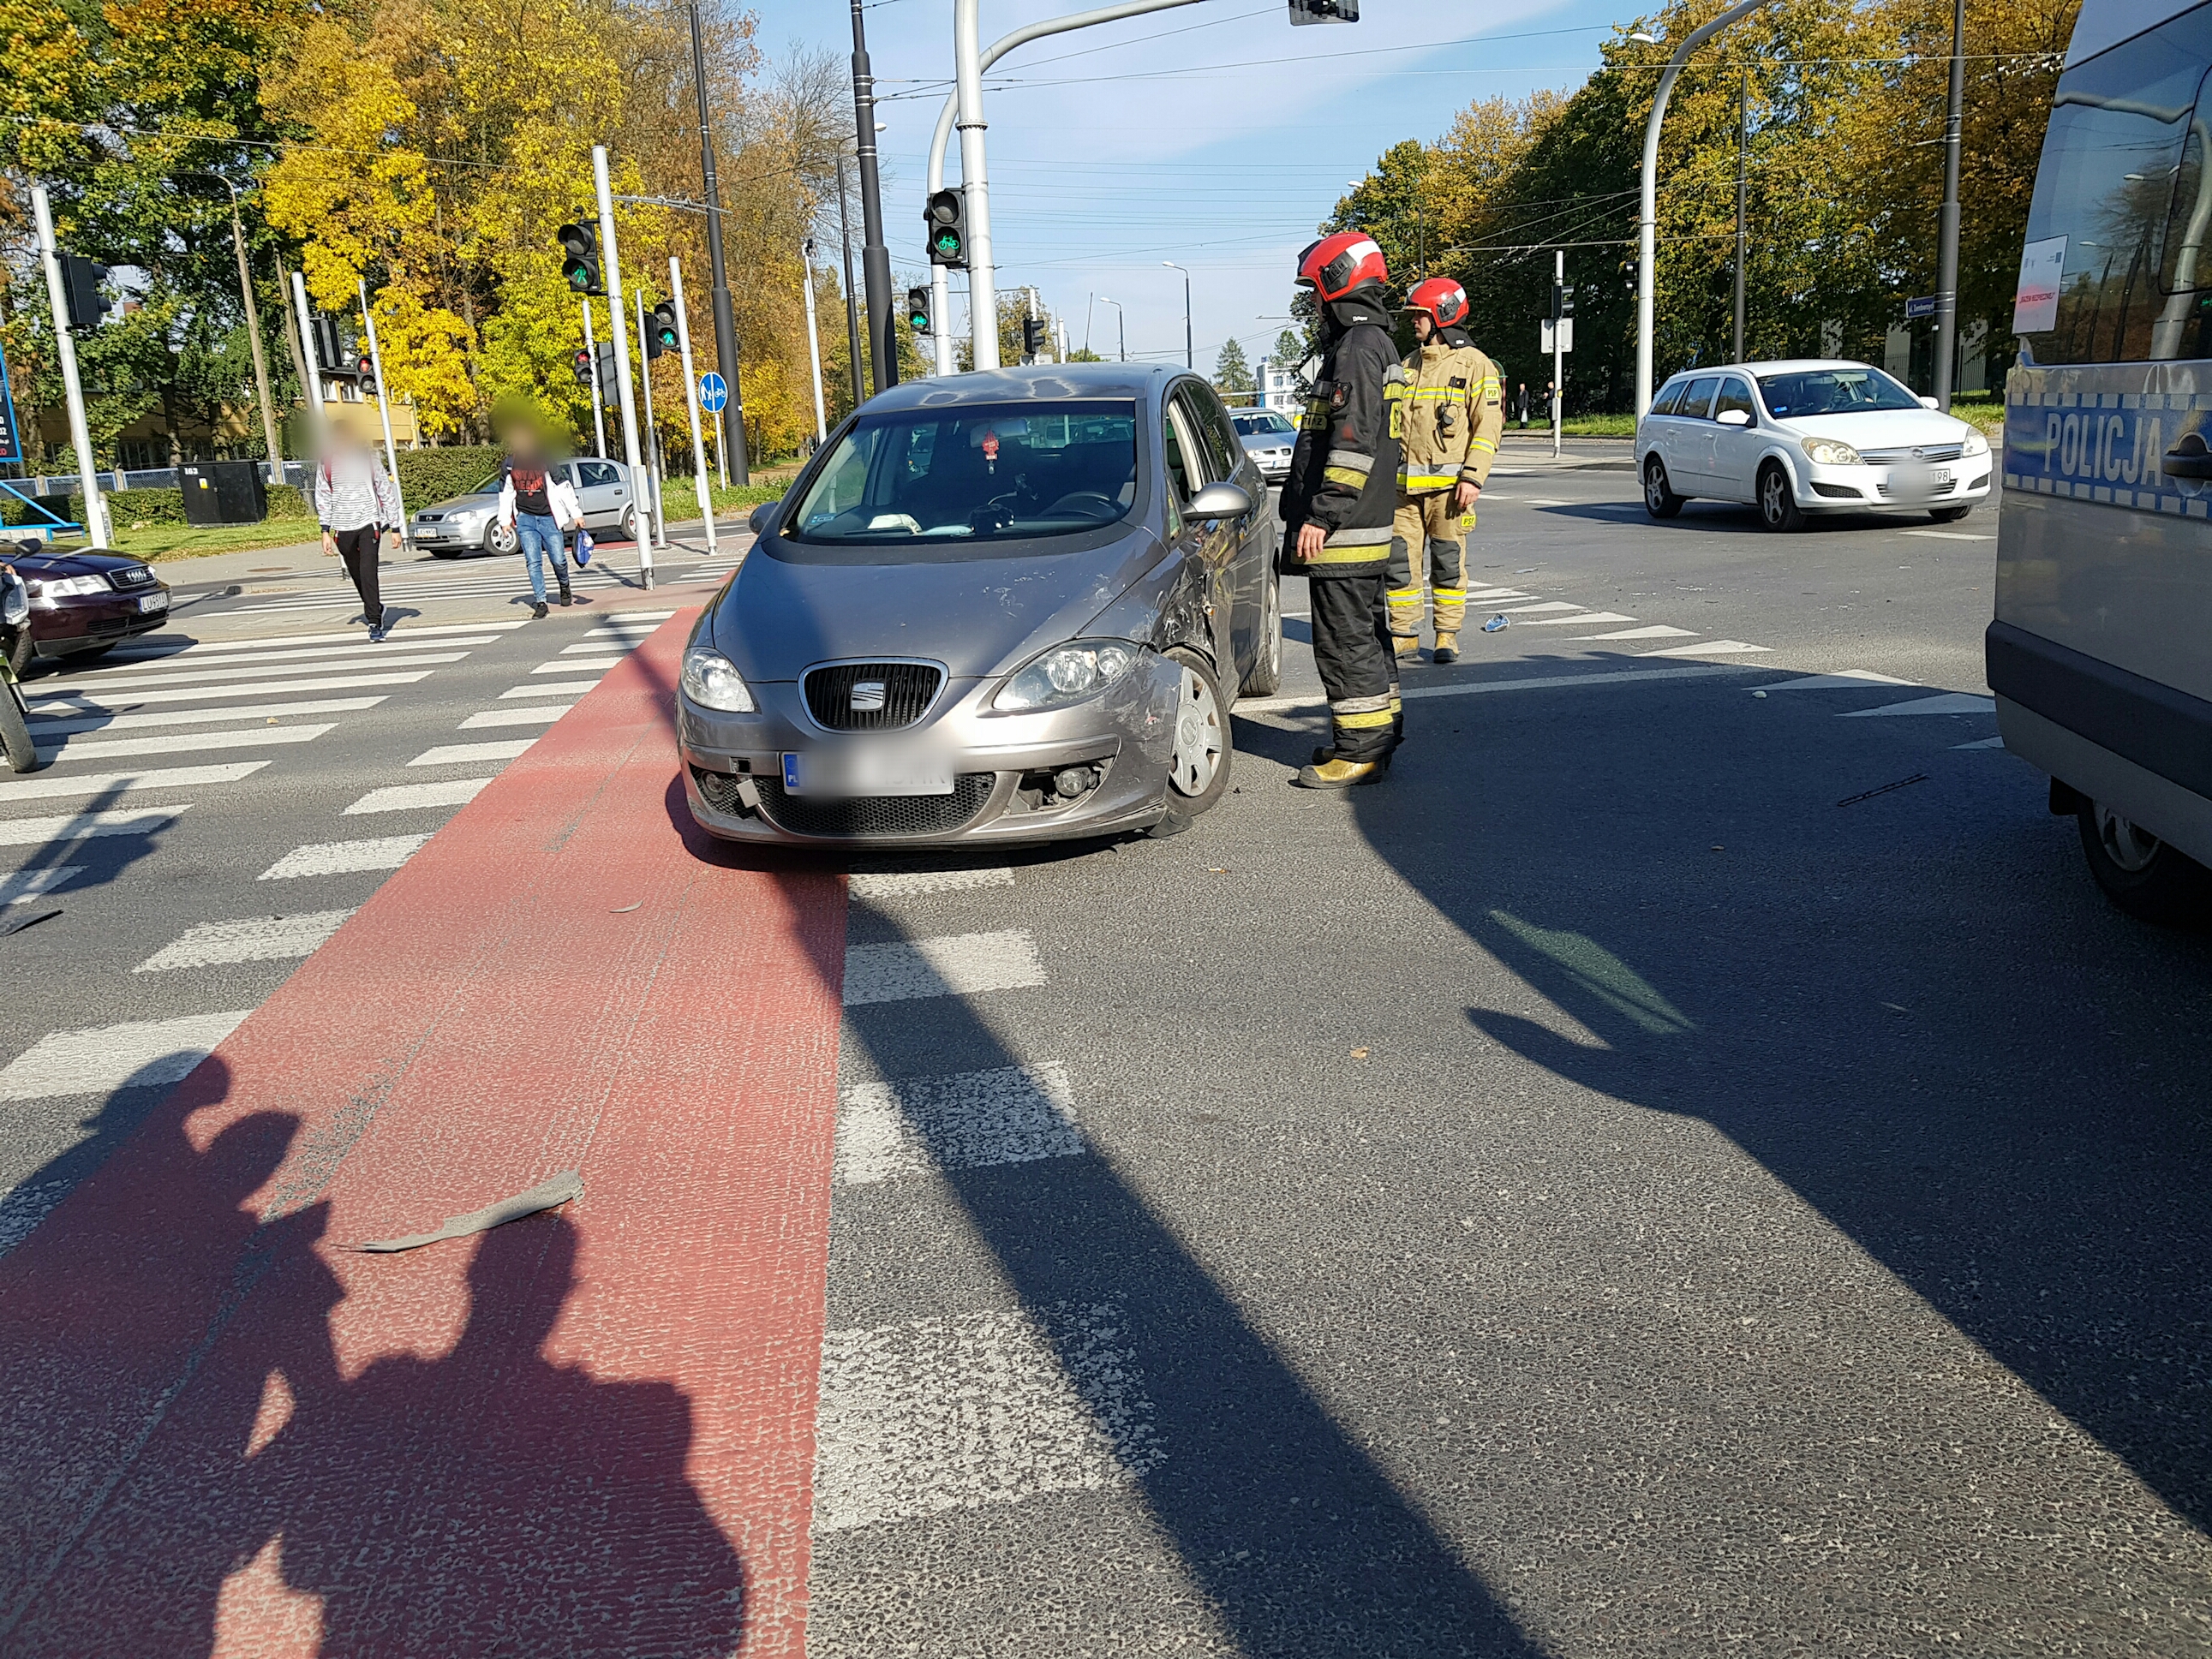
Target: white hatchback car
{"type": "Point", "coordinates": [1813, 435]}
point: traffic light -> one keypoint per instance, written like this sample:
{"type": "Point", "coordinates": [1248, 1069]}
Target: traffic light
{"type": "Point", "coordinates": [81, 294]}
{"type": "Point", "coordinates": [335, 346]}
{"type": "Point", "coordinates": [579, 264]}
{"type": "Point", "coordinates": [581, 363]}
{"type": "Point", "coordinates": [608, 382]}
{"type": "Point", "coordinates": [660, 331]}
{"type": "Point", "coordinates": [1324, 11]}
{"type": "Point", "coordinates": [917, 310]}
{"type": "Point", "coordinates": [946, 216]}
{"type": "Point", "coordinates": [1032, 336]}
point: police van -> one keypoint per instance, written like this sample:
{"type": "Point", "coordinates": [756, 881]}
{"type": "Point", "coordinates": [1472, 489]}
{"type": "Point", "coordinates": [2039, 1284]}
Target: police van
{"type": "Point", "coordinates": [2101, 653]}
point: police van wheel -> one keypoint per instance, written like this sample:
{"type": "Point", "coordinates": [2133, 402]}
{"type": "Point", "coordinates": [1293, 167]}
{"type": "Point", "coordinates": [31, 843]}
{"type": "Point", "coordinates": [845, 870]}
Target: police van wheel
{"type": "Point", "coordinates": [1660, 500]}
{"type": "Point", "coordinates": [2149, 879]}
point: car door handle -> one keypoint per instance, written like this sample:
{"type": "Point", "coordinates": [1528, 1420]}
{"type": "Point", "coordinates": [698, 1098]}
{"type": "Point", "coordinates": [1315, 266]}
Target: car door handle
{"type": "Point", "coordinates": [2188, 459]}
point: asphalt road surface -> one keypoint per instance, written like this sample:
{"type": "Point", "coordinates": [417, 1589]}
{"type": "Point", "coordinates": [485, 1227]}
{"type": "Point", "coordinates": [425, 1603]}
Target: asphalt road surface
{"type": "Point", "coordinates": [1688, 1165]}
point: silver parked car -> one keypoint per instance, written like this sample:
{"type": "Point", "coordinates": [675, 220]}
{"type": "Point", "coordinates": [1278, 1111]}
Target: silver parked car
{"type": "Point", "coordinates": [469, 524]}
{"type": "Point", "coordinates": [1011, 606]}
{"type": "Point", "coordinates": [1269, 435]}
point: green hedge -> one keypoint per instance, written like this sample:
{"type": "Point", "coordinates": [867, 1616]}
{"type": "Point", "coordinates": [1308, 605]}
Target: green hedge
{"type": "Point", "coordinates": [429, 476]}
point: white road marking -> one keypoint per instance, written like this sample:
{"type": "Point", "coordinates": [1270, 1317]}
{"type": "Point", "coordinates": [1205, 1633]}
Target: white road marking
{"type": "Point", "coordinates": [1656, 631]}
{"type": "Point", "coordinates": [45, 725]}
{"type": "Point", "coordinates": [585, 648]}
{"type": "Point", "coordinates": [1480, 688]}
{"type": "Point", "coordinates": [143, 1054]}
{"type": "Point", "coordinates": [351, 636]}
{"type": "Point", "coordinates": [407, 797]}
{"type": "Point", "coordinates": [1985, 743]}
{"type": "Point", "coordinates": [1589, 619]}
{"type": "Point", "coordinates": [45, 786]}
{"type": "Point", "coordinates": [1010, 1114]}
{"type": "Point", "coordinates": [1487, 593]}
{"type": "Point", "coordinates": [338, 858]}
{"type": "Point", "coordinates": [551, 688]}
{"type": "Point", "coordinates": [954, 964]}
{"type": "Point", "coordinates": [656, 618]}
{"type": "Point", "coordinates": [25, 885]}
{"type": "Point", "coordinates": [1947, 702]}
{"type": "Point", "coordinates": [182, 742]}
{"type": "Point", "coordinates": [1846, 679]}
{"type": "Point", "coordinates": [469, 754]}
{"type": "Point", "coordinates": [1948, 535]}
{"type": "Point", "coordinates": [1546, 604]}
{"type": "Point", "coordinates": [230, 655]}
{"type": "Point", "coordinates": [136, 683]}
{"type": "Point", "coordinates": [905, 882]}
{"type": "Point", "coordinates": [41, 701]}
{"type": "Point", "coordinates": [544, 715]}
{"type": "Point", "coordinates": [1712, 648]}
{"type": "Point", "coordinates": [943, 1414]}
{"type": "Point", "coordinates": [250, 939]}
{"type": "Point", "coordinates": [1538, 501]}
{"type": "Point", "coordinates": [579, 666]}
{"type": "Point", "coordinates": [37, 832]}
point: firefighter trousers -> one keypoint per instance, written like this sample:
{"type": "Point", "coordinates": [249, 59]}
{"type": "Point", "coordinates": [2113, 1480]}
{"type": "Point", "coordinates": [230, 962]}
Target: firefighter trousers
{"type": "Point", "coordinates": [1428, 523]}
{"type": "Point", "coordinates": [1359, 670]}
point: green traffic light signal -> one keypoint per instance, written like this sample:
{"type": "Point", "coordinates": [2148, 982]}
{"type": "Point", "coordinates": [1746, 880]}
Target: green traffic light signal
{"type": "Point", "coordinates": [917, 310]}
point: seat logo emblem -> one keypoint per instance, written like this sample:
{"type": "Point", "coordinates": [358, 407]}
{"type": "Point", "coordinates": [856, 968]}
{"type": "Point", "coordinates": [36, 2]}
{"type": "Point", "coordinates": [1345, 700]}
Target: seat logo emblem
{"type": "Point", "coordinates": [867, 697]}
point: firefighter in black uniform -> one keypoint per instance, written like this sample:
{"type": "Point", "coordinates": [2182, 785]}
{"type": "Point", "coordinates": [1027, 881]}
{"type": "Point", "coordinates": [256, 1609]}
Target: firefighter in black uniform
{"type": "Point", "coordinates": [1338, 504]}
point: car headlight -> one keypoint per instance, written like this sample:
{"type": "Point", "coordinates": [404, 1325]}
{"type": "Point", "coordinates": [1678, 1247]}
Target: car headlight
{"type": "Point", "coordinates": [15, 598]}
{"type": "Point", "coordinates": [63, 588]}
{"type": "Point", "coordinates": [1975, 445]}
{"type": "Point", "coordinates": [711, 681]}
{"type": "Point", "coordinates": [1828, 453]}
{"type": "Point", "coordinates": [1067, 673]}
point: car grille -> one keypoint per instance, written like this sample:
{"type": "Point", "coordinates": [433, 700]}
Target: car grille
{"type": "Point", "coordinates": [1898, 457]}
{"type": "Point", "coordinates": [871, 815]}
{"type": "Point", "coordinates": [130, 576]}
{"type": "Point", "coordinates": [908, 690]}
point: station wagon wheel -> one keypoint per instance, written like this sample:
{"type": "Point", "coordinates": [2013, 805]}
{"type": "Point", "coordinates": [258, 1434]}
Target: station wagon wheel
{"type": "Point", "coordinates": [1778, 499]}
{"type": "Point", "coordinates": [1660, 500]}
{"type": "Point", "coordinates": [1197, 763]}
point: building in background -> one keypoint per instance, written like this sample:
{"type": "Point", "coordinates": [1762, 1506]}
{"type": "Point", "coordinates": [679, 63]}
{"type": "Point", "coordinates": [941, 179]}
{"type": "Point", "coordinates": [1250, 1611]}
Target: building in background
{"type": "Point", "coordinates": [1278, 386]}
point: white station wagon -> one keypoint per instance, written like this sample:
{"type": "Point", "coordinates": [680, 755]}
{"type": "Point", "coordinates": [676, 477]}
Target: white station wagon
{"type": "Point", "coordinates": [1813, 435]}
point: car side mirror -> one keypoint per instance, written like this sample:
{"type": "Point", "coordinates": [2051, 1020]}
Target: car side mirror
{"type": "Point", "coordinates": [761, 516]}
{"type": "Point", "coordinates": [1734, 417]}
{"type": "Point", "coordinates": [1220, 501]}
{"type": "Point", "coordinates": [1930, 403]}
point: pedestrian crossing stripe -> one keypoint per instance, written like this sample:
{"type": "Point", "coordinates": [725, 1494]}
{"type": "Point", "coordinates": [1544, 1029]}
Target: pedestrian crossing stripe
{"type": "Point", "coordinates": [104, 720]}
{"type": "Point", "coordinates": [351, 638]}
{"type": "Point", "coordinates": [137, 1053]}
{"type": "Point", "coordinates": [131, 700]}
{"type": "Point", "coordinates": [1010, 1114]}
{"type": "Point", "coordinates": [413, 796]}
{"type": "Point", "coordinates": [183, 742]}
{"type": "Point", "coordinates": [45, 786]}
{"type": "Point", "coordinates": [129, 821]}
{"type": "Point", "coordinates": [471, 754]}
{"type": "Point", "coordinates": [552, 688]}
{"type": "Point", "coordinates": [954, 965]}
{"type": "Point", "coordinates": [222, 657]}
{"type": "Point", "coordinates": [337, 858]}
{"type": "Point", "coordinates": [537, 714]}
{"type": "Point", "coordinates": [251, 938]}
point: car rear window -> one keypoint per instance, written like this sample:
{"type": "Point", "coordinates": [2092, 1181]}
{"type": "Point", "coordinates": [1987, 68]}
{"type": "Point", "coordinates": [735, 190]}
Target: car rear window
{"type": "Point", "coordinates": [1698, 398]}
{"type": "Point", "coordinates": [1669, 398]}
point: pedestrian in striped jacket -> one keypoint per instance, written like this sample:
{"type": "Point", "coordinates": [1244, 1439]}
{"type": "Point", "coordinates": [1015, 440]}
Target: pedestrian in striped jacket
{"type": "Point", "coordinates": [356, 502]}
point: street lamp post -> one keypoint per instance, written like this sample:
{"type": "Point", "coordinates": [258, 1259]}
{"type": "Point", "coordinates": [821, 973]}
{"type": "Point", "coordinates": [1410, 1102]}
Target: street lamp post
{"type": "Point", "coordinates": [725, 316]}
{"type": "Point", "coordinates": [852, 302]}
{"type": "Point", "coordinates": [1647, 222]}
{"type": "Point", "coordinates": [1121, 321]}
{"type": "Point", "coordinates": [1946, 241]}
{"type": "Point", "coordinates": [1189, 359]}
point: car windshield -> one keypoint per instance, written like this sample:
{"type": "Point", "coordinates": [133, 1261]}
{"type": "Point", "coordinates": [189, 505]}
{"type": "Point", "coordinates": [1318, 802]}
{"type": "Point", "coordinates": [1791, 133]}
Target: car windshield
{"type": "Point", "coordinates": [1832, 391]}
{"type": "Point", "coordinates": [489, 486]}
{"type": "Point", "coordinates": [1250, 426]}
{"type": "Point", "coordinates": [973, 474]}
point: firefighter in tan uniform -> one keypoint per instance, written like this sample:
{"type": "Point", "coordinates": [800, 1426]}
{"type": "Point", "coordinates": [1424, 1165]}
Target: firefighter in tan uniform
{"type": "Point", "coordinates": [1449, 407]}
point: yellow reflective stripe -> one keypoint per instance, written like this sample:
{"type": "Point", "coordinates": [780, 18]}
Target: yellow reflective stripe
{"type": "Point", "coordinates": [1365, 722]}
{"type": "Point", "coordinates": [1344, 475]}
{"type": "Point", "coordinates": [1358, 553]}
{"type": "Point", "coordinates": [1400, 595]}
{"type": "Point", "coordinates": [1487, 446]}
{"type": "Point", "coordinates": [1427, 480]}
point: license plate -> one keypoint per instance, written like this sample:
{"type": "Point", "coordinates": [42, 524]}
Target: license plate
{"type": "Point", "coordinates": [153, 601]}
{"type": "Point", "coordinates": [864, 775]}
{"type": "Point", "coordinates": [1920, 481]}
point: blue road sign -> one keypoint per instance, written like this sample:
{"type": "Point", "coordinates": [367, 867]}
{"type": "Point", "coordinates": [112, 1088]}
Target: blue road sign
{"type": "Point", "coordinates": [713, 392]}
{"type": "Point", "coordinates": [1922, 306]}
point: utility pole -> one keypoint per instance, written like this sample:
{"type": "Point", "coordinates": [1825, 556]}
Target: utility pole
{"type": "Point", "coordinates": [96, 528]}
{"type": "Point", "coordinates": [814, 339]}
{"type": "Point", "coordinates": [852, 301]}
{"type": "Point", "coordinates": [1947, 245]}
{"type": "Point", "coordinates": [1558, 355]}
{"type": "Point", "coordinates": [1189, 357]}
{"type": "Point", "coordinates": [726, 319]}
{"type": "Point", "coordinates": [1742, 187]}
{"type": "Point", "coordinates": [599, 392]}
{"type": "Point", "coordinates": [617, 326]}
{"type": "Point", "coordinates": [875, 257]}
{"type": "Point", "coordinates": [269, 432]}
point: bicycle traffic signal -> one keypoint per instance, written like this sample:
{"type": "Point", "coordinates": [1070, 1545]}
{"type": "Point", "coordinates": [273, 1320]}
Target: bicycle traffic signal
{"type": "Point", "coordinates": [81, 294]}
{"type": "Point", "coordinates": [1032, 336]}
{"type": "Point", "coordinates": [660, 331]}
{"type": "Point", "coordinates": [917, 310]}
{"type": "Point", "coordinates": [579, 264]}
{"type": "Point", "coordinates": [946, 216]}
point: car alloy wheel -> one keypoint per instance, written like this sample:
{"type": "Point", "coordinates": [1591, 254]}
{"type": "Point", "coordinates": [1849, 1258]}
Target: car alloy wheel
{"type": "Point", "coordinates": [1200, 737]}
{"type": "Point", "coordinates": [1778, 500]}
{"type": "Point", "coordinates": [500, 537]}
{"type": "Point", "coordinates": [2132, 849]}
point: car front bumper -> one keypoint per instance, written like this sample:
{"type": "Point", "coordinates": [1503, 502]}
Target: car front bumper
{"type": "Point", "coordinates": [1002, 764]}
{"type": "Point", "coordinates": [79, 624]}
{"type": "Point", "coordinates": [1890, 490]}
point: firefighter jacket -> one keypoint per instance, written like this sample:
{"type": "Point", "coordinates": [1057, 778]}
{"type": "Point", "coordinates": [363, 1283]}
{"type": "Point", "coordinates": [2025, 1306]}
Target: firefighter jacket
{"type": "Point", "coordinates": [1344, 470]}
{"type": "Point", "coordinates": [1447, 409]}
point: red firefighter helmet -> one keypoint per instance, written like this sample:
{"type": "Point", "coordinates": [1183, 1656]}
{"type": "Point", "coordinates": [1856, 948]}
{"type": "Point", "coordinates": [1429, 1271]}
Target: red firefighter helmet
{"type": "Point", "coordinates": [1336, 265]}
{"type": "Point", "coordinates": [1444, 300]}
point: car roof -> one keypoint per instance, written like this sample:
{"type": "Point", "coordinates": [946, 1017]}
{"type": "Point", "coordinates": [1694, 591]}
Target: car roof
{"type": "Point", "coordinates": [1779, 365]}
{"type": "Point", "coordinates": [1042, 383]}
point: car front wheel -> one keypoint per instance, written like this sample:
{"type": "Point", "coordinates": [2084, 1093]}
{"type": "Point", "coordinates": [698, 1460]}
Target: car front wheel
{"type": "Point", "coordinates": [1778, 499]}
{"type": "Point", "coordinates": [500, 537]}
{"type": "Point", "coordinates": [1660, 500]}
{"type": "Point", "coordinates": [1949, 514]}
{"type": "Point", "coordinates": [2141, 873]}
{"type": "Point", "coordinates": [1266, 676]}
{"type": "Point", "coordinates": [1198, 765]}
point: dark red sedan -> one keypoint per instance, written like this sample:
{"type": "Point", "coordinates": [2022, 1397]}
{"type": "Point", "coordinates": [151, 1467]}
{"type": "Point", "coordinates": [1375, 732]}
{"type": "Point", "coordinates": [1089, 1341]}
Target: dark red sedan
{"type": "Point", "coordinates": [84, 604]}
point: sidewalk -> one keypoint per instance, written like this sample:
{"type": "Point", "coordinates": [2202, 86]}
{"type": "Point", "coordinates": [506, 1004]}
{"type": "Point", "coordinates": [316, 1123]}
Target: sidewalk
{"type": "Point", "coordinates": [1531, 451]}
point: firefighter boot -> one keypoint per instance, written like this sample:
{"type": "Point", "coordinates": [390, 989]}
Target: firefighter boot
{"type": "Point", "coordinates": [1406, 645]}
{"type": "Point", "coordinates": [1333, 774]}
{"type": "Point", "coordinates": [1447, 647]}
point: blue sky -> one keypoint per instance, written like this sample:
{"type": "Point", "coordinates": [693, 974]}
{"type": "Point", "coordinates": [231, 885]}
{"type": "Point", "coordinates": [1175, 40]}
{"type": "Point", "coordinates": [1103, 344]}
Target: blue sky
{"type": "Point", "coordinates": [1214, 135]}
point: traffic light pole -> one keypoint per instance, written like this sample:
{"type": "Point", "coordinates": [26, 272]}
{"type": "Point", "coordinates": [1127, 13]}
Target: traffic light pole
{"type": "Point", "coordinates": [639, 503]}
{"type": "Point", "coordinates": [725, 319]}
{"type": "Point", "coordinates": [692, 399]}
{"type": "Point", "coordinates": [383, 407]}
{"type": "Point", "coordinates": [95, 510]}
{"type": "Point", "coordinates": [851, 300]}
{"type": "Point", "coordinates": [313, 389]}
{"type": "Point", "coordinates": [598, 393]}
{"type": "Point", "coordinates": [875, 257]}
{"type": "Point", "coordinates": [813, 338]}
{"type": "Point", "coordinates": [652, 437]}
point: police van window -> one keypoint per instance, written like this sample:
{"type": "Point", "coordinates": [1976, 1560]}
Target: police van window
{"type": "Point", "coordinates": [2122, 206]}
{"type": "Point", "coordinates": [1698, 398]}
{"type": "Point", "coordinates": [1669, 398]}
{"type": "Point", "coordinates": [1735, 394]}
